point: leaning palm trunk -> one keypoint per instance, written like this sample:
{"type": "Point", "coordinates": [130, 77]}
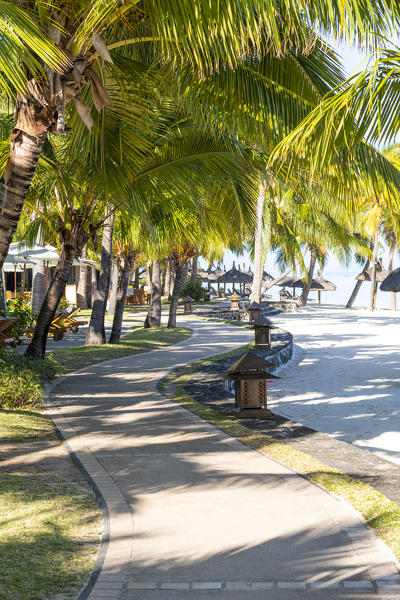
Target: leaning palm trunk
{"type": "Point", "coordinates": [179, 268]}
{"type": "Point", "coordinates": [37, 347]}
{"type": "Point", "coordinates": [96, 334]}
{"type": "Point", "coordinates": [26, 146]}
{"type": "Point", "coordinates": [302, 301]}
{"type": "Point", "coordinates": [258, 266]}
{"type": "Point", "coordinates": [123, 284]}
{"type": "Point", "coordinates": [356, 289]}
{"type": "Point", "coordinates": [153, 318]}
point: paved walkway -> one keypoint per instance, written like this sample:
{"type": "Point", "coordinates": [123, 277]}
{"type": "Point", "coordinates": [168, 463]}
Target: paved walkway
{"type": "Point", "coordinates": [345, 376]}
{"type": "Point", "coordinates": [210, 515]}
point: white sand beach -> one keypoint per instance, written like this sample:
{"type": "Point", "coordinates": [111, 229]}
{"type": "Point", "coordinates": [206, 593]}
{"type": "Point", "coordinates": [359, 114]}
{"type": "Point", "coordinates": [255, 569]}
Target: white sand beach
{"type": "Point", "coordinates": [344, 378]}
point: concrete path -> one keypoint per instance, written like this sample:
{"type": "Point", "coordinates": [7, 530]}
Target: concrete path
{"type": "Point", "coordinates": [210, 515]}
{"type": "Point", "coordinates": [345, 376]}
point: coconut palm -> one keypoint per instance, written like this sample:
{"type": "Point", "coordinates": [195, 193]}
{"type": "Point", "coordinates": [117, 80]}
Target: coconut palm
{"type": "Point", "coordinates": [82, 36]}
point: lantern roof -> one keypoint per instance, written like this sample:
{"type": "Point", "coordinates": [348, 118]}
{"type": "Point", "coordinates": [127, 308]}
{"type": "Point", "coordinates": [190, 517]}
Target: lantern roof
{"type": "Point", "coordinates": [254, 306]}
{"type": "Point", "coordinates": [234, 297]}
{"type": "Point", "coordinates": [188, 299]}
{"type": "Point", "coordinates": [263, 322]}
{"type": "Point", "coordinates": [250, 362]}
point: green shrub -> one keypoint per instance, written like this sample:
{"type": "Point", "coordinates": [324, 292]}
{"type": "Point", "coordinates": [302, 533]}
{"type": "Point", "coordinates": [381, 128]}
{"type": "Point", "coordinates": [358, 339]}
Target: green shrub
{"type": "Point", "coordinates": [194, 289]}
{"type": "Point", "coordinates": [22, 379]}
{"type": "Point", "coordinates": [19, 308]}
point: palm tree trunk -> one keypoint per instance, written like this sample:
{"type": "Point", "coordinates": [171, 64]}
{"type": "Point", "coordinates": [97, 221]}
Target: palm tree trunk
{"type": "Point", "coordinates": [356, 289]}
{"type": "Point", "coordinates": [153, 318]}
{"type": "Point", "coordinates": [120, 305]}
{"type": "Point", "coordinates": [258, 266]}
{"type": "Point", "coordinates": [91, 286]}
{"type": "Point", "coordinates": [136, 279]}
{"type": "Point", "coordinates": [179, 267]}
{"type": "Point", "coordinates": [16, 180]}
{"type": "Point", "coordinates": [195, 265]}
{"type": "Point", "coordinates": [372, 300]}
{"type": "Point", "coordinates": [96, 334]}
{"type": "Point", "coordinates": [37, 347]}
{"type": "Point", "coordinates": [114, 285]}
{"type": "Point", "coordinates": [169, 277]}
{"type": "Point", "coordinates": [390, 269]}
{"type": "Point", "coordinates": [2, 292]}
{"type": "Point", "coordinates": [302, 301]}
{"type": "Point", "coordinates": [82, 284]}
{"type": "Point", "coordinates": [38, 285]}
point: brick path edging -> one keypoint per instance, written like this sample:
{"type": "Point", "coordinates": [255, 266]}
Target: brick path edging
{"type": "Point", "coordinates": [114, 556]}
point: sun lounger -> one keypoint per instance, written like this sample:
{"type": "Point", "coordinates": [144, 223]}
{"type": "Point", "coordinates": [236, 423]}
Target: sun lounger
{"type": "Point", "coordinates": [69, 322]}
{"type": "Point", "coordinates": [57, 328]}
{"type": "Point", "coordinates": [6, 337]}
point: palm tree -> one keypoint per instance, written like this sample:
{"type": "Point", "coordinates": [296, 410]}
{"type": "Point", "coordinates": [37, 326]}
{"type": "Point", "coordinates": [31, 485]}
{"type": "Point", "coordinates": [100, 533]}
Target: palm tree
{"type": "Point", "coordinates": [83, 35]}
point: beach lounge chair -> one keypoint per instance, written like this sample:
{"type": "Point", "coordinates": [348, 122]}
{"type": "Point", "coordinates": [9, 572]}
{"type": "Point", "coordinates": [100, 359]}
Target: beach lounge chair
{"type": "Point", "coordinates": [69, 322]}
{"type": "Point", "coordinates": [57, 328]}
{"type": "Point", "coordinates": [6, 337]}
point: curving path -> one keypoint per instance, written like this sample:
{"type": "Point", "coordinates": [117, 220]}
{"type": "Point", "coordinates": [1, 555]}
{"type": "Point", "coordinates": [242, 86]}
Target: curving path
{"type": "Point", "coordinates": [193, 513]}
{"type": "Point", "coordinates": [345, 376]}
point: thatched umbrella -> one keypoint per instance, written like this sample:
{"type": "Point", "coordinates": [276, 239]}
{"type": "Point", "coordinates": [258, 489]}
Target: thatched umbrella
{"type": "Point", "coordinates": [380, 275]}
{"type": "Point", "coordinates": [392, 282]}
{"type": "Point", "coordinates": [323, 285]}
{"type": "Point", "coordinates": [235, 276]}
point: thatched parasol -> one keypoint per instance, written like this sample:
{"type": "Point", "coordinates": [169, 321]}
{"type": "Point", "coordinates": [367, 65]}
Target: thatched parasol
{"type": "Point", "coordinates": [392, 282]}
{"type": "Point", "coordinates": [235, 276]}
{"type": "Point", "coordinates": [380, 273]}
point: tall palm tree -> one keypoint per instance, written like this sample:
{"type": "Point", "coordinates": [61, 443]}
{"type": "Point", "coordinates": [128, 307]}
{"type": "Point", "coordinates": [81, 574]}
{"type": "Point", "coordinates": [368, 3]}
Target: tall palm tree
{"type": "Point", "coordinates": [81, 37]}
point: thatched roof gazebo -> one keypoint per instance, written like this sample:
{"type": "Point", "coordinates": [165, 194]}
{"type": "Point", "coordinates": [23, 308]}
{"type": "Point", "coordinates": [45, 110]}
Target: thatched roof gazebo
{"type": "Point", "coordinates": [323, 285]}
{"type": "Point", "coordinates": [234, 276]}
{"type": "Point", "coordinates": [380, 274]}
{"type": "Point", "coordinates": [392, 282]}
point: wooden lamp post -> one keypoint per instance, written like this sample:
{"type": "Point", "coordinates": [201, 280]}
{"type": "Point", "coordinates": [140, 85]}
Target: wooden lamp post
{"type": "Point", "coordinates": [187, 305]}
{"type": "Point", "coordinates": [234, 301]}
{"type": "Point", "coordinates": [262, 333]}
{"type": "Point", "coordinates": [250, 375]}
{"type": "Point", "coordinates": [254, 311]}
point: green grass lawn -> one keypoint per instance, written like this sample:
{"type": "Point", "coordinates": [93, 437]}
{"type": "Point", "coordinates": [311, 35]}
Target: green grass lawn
{"type": "Point", "coordinates": [49, 535]}
{"type": "Point", "coordinates": [51, 523]}
{"type": "Point", "coordinates": [140, 340]}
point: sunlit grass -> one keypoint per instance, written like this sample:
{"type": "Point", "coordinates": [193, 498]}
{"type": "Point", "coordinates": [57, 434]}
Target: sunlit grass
{"type": "Point", "coordinates": [379, 512]}
{"type": "Point", "coordinates": [49, 535]}
{"type": "Point", "coordinates": [23, 425]}
{"type": "Point", "coordinates": [140, 340]}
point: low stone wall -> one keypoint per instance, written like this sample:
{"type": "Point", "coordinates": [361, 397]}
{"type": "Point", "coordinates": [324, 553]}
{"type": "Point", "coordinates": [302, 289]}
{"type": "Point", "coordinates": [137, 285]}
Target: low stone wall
{"type": "Point", "coordinates": [226, 315]}
{"type": "Point", "coordinates": [282, 348]}
{"type": "Point", "coordinates": [208, 384]}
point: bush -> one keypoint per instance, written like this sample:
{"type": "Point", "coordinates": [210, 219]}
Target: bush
{"type": "Point", "coordinates": [22, 379]}
{"type": "Point", "coordinates": [19, 308]}
{"type": "Point", "coordinates": [195, 290]}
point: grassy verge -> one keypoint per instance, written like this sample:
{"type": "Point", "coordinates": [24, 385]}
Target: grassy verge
{"type": "Point", "coordinates": [378, 511]}
{"type": "Point", "coordinates": [51, 522]}
{"type": "Point", "coordinates": [140, 340]}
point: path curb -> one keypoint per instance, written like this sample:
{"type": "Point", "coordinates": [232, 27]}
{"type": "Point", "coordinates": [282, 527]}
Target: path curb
{"type": "Point", "coordinates": [107, 579]}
